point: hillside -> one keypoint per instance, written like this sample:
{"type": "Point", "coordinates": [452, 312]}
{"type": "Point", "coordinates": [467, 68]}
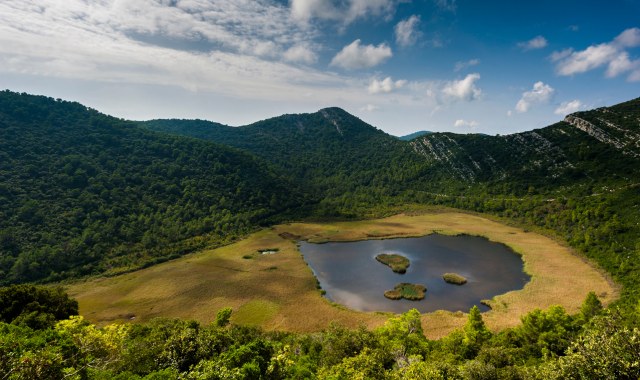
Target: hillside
{"type": "Point", "coordinates": [598, 147]}
{"type": "Point", "coordinates": [329, 152]}
{"type": "Point", "coordinates": [82, 192]}
{"type": "Point", "coordinates": [86, 193]}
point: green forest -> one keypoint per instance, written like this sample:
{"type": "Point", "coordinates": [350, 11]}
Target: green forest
{"type": "Point", "coordinates": [85, 194]}
{"type": "Point", "coordinates": [41, 338]}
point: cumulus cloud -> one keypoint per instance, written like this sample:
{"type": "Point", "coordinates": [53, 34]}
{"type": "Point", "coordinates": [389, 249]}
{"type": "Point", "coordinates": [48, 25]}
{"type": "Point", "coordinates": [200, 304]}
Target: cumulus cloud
{"type": "Point", "coordinates": [611, 54]}
{"type": "Point", "coordinates": [345, 11]}
{"type": "Point", "coordinates": [101, 42]}
{"type": "Point", "coordinates": [560, 54]}
{"type": "Point", "coordinates": [356, 56]}
{"type": "Point", "coordinates": [540, 94]}
{"type": "Point", "coordinates": [461, 65]}
{"type": "Point", "coordinates": [538, 42]}
{"type": "Point", "coordinates": [460, 123]}
{"type": "Point", "coordinates": [464, 89]}
{"type": "Point", "coordinates": [385, 86]}
{"type": "Point", "coordinates": [588, 59]}
{"type": "Point", "coordinates": [629, 38]}
{"type": "Point", "coordinates": [407, 32]}
{"type": "Point", "coordinates": [566, 108]}
{"type": "Point", "coordinates": [301, 54]}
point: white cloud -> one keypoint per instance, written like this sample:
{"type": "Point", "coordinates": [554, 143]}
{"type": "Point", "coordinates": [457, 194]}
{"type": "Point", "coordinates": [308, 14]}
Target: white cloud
{"type": "Point", "coordinates": [385, 86]}
{"type": "Point", "coordinates": [345, 11]}
{"type": "Point", "coordinates": [101, 42]}
{"type": "Point", "coordinates": [369, 108]}
{"type": "Point", "coordinates": [561, 54]}
{"type": "Point", "coordinates": [460, 123]}
{"type": "Point", "coordinates": [621, 64]}
{"type": "Point", "coordinates": [611, 54]}
{"type": "Point", "coordinates": [541, 93]}
{"type": "Point", "coordinates": [629, 38]}
{"type": "Point", "coordinates": [566, 108]}
{"type": "Point", "coordinates": [300, 53]}
{"type": "Point", "coordinates": [356, 56]}
{"type": "Point", "coordinates": [538, 42]}
{"type": "Point", "coordinates": [461, 65]}
{"type": "Point", "coordinates": [588, 59]}
{"type": "Point", "coordinates": [634, 76]}
{"type": "Point", "coordinates": [464, 89]}
{"type": "Point", "coordinates": [407, 32]}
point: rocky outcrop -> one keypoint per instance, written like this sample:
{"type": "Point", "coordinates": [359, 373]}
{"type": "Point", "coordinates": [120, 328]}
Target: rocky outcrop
{"type": "Point", "coordinates": [593, 131]}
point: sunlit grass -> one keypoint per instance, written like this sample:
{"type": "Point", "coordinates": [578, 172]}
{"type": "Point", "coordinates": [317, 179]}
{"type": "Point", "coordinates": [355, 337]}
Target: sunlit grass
{"type": "Point", "coordinates": [198, 285]}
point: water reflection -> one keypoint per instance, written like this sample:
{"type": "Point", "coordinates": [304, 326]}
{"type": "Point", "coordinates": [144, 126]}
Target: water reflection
{"type": "Point", "coordinates": [351, 276]}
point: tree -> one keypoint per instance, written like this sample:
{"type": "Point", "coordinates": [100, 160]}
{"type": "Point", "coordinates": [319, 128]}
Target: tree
{"type": "Point", "coordinates": [475, 333]}
{"type": "Point", "coordinates": [607, 350]}
{"type": "Point", "coordinates": [35, 306]}
{"type": "Point", "coordinates": [546, 333]}
{"type": "Point", "coordinates": [223, 316]}
{"type": "Point", "coordinates": [590, 307]}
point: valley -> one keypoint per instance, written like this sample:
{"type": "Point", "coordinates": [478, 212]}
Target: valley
{"type": "Point", "coordinates": [319, 189]}
{"type": "Point", "coordinates": [178, 237]}
{"type": "Point", "coordinates": [269, 290]}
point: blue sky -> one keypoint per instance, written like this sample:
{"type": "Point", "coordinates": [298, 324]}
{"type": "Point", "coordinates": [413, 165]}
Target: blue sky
{"type": "Point", "coordinates": [493, 67]}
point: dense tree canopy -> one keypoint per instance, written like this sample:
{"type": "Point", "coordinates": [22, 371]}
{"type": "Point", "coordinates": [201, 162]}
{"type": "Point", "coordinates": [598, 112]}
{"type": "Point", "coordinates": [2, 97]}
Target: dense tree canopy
{"type": "Point", "coordinates": [81, 192]}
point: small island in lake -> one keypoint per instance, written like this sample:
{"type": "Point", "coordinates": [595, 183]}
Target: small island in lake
{"type": "Point", "coordinates": [397, 263]}
{"type": "Point", "coordinates": [454, 278]}
{"type": "Point", "coordinates": [412, 292]}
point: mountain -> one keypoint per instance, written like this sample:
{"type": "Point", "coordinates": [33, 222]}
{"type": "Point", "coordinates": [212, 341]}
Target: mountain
{"type": "Point", "coordinates": [333, 152]}
{"type": "Point", "coordinates": [414, 135]}
{"type": "Point", "coordinates": [578, 179]}
{"type": "Point", "coordinates": [82, 192]}
{"type": "Point", "coordinates": [330, 153]}
{"type": "Point", "coordinates": [596, 147]}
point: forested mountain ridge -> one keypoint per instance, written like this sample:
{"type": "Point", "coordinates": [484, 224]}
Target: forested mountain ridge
{"type": "Point", "coordinates": [331, 152]}
{"type": "Point", "coordinates": [82, 192]}
{"type": "Point", "coordinates": [599, 146]}
{"type": "Point", "coordinates": [578, 180]}
{"type": "Point", "coordinates": [595, 146]}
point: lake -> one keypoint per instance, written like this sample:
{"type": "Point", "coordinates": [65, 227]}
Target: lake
{"type": "Point", "coordinates": [351, 276]}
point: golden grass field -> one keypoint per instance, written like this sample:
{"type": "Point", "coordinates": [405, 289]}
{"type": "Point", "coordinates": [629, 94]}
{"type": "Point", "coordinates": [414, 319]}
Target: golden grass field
{"type": "Point", "coordinates": [278, 291]}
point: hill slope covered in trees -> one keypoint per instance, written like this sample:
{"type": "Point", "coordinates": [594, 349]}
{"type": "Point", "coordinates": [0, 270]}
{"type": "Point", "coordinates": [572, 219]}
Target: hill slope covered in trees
{"type": "Point", "coordinates": [577, 179]}
{"type": "Point", "coordinates": [86, 193]}
{"type": "Point", "coordinates": [82, 192]}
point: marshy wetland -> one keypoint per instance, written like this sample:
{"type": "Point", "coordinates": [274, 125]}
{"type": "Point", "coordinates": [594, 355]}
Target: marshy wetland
{"type": "Point", "coordinates": [279, 291]}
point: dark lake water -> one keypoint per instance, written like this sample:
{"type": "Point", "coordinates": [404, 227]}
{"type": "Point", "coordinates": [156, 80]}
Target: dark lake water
{"type": "Point", "coordinates": [351, 276]}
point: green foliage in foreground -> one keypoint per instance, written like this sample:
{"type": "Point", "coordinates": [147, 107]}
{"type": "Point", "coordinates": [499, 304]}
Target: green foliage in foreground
{"type": "Point", "coordinates": [548, 345]}
{"type": "Point", "coordinates": [34, 306]}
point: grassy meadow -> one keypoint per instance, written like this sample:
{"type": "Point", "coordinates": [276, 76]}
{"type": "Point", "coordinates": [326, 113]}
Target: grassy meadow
{"type": "Point", "coordinates": [278, 290]}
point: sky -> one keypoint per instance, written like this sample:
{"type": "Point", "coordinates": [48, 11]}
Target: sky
{"type": "Point", "coordinates": [494, 67]}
